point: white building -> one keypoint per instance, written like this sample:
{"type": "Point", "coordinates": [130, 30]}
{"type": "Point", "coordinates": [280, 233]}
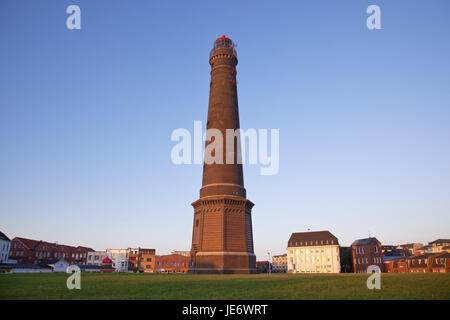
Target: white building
{"type": "Point", "coordinates": [5, 245]}
{"type": "Point", "coordinates": [119, 258]}
{"type": "Point", "coordinates": [95, 258]}
{"type": "Point", "coordinates": [60, 265]}
{"type": "Point", "coordinates": [313, 252]}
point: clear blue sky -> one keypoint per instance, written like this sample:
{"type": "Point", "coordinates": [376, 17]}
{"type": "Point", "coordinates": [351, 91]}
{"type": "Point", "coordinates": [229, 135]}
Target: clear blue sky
{"type": "Point", "coordinates": [86, 117]}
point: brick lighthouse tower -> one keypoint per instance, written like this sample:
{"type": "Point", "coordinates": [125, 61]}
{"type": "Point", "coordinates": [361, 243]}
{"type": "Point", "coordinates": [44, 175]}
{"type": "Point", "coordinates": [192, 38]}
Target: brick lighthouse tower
{"type": "Point", "coordinates": [222, 238]}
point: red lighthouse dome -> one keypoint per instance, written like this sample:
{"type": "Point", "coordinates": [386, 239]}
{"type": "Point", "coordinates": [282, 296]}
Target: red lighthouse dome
{"type": "Point", "coordinates": [223, 37]}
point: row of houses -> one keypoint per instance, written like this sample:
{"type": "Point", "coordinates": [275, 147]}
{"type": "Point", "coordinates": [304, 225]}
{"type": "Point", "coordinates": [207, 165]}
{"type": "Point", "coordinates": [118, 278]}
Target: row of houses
{"type": "Point", "coordinates": [28, 255]}
{"type": "Point", "coordinates": [307, 252]}
{"type": "Point", "coordinates": [320, 252]}
{"type": "Point", "coordinates": [172, 263]}
{"type": "Point", "coordinates": [413, 257]}
{"type": "Point", "coordinates": [142, 260]}
{"type": "Point", "coordinates": [428, 262]}
{"type": "Point", "coordinates": [28, 251]}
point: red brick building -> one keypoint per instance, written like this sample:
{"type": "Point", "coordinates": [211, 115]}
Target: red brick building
{"type": "Point", "coordinates": [424, 263]}
{"type": "Point", "coordinates": [420, 263]}
{"type": "Point", "coordinates": [142, 260]}
{"type": "Point", "coordinates": [367, 252]}
{"type": "Point", "coordinates": [398, 265]}
{"type": "Point", "coordinates": [27, 251]}
{"type": "Point", "coordinates": [429, 262]}
{"type": "Point", "coordinates": [441, 263]}
{"type": "Point", "coordinates": [172, 263]}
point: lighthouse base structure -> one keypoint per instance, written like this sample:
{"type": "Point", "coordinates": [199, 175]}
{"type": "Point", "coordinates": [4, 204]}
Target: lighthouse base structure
{"type": "Point", "coordinates": [222, 239]}
{"type": "Point", "coordinates": [224, 263]}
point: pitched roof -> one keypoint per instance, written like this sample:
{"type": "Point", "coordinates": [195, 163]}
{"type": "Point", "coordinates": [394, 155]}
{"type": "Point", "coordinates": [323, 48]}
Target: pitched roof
{"type": "Point", "coordinates": [364, 241]}
{"type": "Point", "coordinates": [31, 244]}
{"type": "Point", "coordinates": [107, 260]}
{"type": "Point", "coordinates": [422, 256]}
{"type": "Point", "coordinates": [391, 258]}
{"type": "Point", "coordinates": [395, 253]}
{"type": "Point", "coordinates": [407, 245]}
{"type": "Point", "coordinates": [3, 236]}
{"type": "Point", "coordinates": [311, 238]}
{"type": "Point", "coordinates": [439, 241]}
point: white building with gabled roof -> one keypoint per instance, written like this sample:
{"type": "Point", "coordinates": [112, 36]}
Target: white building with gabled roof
{"type": "Point", "coordinates": [313, 252]}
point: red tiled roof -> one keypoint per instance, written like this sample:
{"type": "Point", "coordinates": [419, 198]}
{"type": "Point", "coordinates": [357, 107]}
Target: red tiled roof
{"type": "Point", "coordinates": [31, 244]}
{"type": "Point", "coordinates": [27, 242]}
{"type": "Point", "coordinates": [223, 37]}
{"type": "Point", "coordinates": [439, 241]}
{"type": "Point", "coordinates": [364, 241]}
{"type": "Point", "coordinates": [423, 256]}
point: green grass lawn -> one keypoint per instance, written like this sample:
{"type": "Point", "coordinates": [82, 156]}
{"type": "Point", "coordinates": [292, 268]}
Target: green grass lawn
{"type": "Point", "coordinates": [275, 286]}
